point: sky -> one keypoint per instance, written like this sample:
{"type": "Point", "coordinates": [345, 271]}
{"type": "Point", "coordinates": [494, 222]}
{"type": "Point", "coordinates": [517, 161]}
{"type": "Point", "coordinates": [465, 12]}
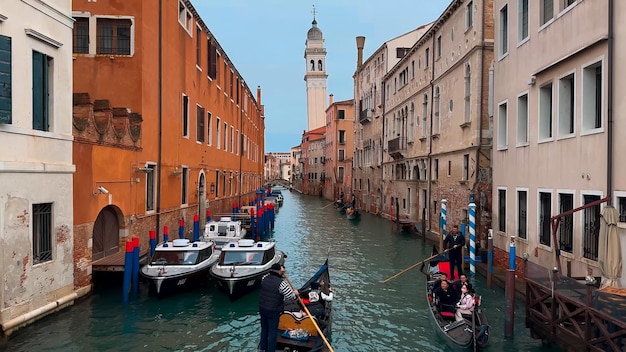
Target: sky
{"type": "Point", "coordinates": [265, 40]}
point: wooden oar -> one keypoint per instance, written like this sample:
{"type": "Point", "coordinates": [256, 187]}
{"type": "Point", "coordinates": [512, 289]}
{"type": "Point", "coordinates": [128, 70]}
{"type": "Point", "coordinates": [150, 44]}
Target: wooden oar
{"type": "Point", "coordinates": [326, 206]}
{"type": "Point", "coordinates": [319, 331]}
{"type": "Point", "coordinates": [416, 264]}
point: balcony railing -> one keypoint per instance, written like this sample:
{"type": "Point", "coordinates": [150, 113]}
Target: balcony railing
{"type": "Point", "coordinates": [365, 116]}
{"type": "Point", "coordinates": [397, 145]}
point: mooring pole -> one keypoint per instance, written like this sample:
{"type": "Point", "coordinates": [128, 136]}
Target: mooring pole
{"type": "Point", "coordinates": [490, 258]}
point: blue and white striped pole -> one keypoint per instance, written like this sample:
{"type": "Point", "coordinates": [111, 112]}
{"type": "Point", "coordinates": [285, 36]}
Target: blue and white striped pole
{"type": "Point", "coordinates": [444, 216]}
{"type": "Point", "coordinates": [472, 236]}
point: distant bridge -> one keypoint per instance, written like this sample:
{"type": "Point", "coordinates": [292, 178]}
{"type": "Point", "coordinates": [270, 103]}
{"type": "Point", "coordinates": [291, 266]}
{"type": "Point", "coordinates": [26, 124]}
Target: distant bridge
{"type": "Point", "coordinates": [279, 182]}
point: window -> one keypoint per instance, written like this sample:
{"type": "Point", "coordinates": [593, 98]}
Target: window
{"type": "Point", "coordinates": [439, 46]}
{"type": "Point", "coordinates": [80, 35]}
{"type": "Point", "coordinates": [449, 168]}
{"type": "Point", "coordinates": [427, 56]}
{"type": "Point", "coordinates": [185, 116]}
{"type": "Point", "coordinates": [198, 46]}
{"type": "Point", "coordinates": [522, 21]}
{"type": "Point", "coordinates": [522, 212]}
{"type": "Point", "coordinates": [6, 109]}
{"type": "Point", "coordinates": [502, 210]}
{"type": "Point", "coordinates": [184, 181]}
{"type": "Point", "coordinates": [591, 227]}
{"type": "Point", "coordinates": [546, 11]}
{"type": "Point", "coordinates": [566, 226]}
{"type": "Point", "coordinates": [340, 174]}
{"type": "Point", "coordinates": [184, 17]}
{"type": "Point", "coordinates": [232, 139]}
{"type": "Point", "coordinates": [199, 123]}
{"type": "Point", "coordinates": [225, 136]}
{"type": "Point", "coordinates": [592, 97]}
{"type": "Point", "coordinates": [504, 30]}
{"type": "Point", "coordinates": [468, 93]}
{"type": "Point", "coordinates": [469, 14]}
{"type": "Point", "coordinates": [522, 119]}
{"type": "Point", "coordinates": [113, 36]}
{"type": "Point", "coordinates": [545, 212]}
{"type": "Point", "coordinates": [209, 137]}
{"type": "Point", "coordinates": [342, 137]}
{"type": "Point", "coordinates": [566, 105]}
{"type": "Point", "coordinates": [212, 60]}
{"type": "Point", "coordinates": [150, 186]}
{"type": "Point", "coordinates": [466, 167]}
{"type": "Point", "coordinates": [436, 170]}
{"type": "Point", "coordinates": [42, 233]}
{"type": "Point", "coordinates": [232, 78]}
{"type": "Point", "coordinates": [411, 131]}
{"type": "Point", "coordinates": [621, 207]}
{"type": "Point", "coordinates": [566, 3]}
{"type": "Point", "coordinates": [502, 126]}
{"type": "Point", "coordinates": [341, 114]}
{"type": "Point", "coordinates": [436, 105]}
{"type": "Point", "coordinates": [42, 92]}
{"type": "Point", "coordinates": [342, 154]}
{"type": "Point", "coordinates": [217, 133]}
{"type": "Point", "coordinates": [545, 111]}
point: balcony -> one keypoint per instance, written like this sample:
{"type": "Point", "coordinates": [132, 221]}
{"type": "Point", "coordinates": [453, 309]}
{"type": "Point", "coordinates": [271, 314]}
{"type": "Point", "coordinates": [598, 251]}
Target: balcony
{"type": "Point", "coordinates": [396, 147]}
{"type": "Point", "coordinates": [365, 116]}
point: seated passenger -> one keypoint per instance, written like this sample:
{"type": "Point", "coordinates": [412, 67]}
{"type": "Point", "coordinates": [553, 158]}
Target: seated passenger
{"type": "Point", "coordinates": [463, 281]}
{"type": "Point", "coordinates": [465, 306]}
{"type": "Point", "coordinates": [445, 297]}
{"type": "Point", "coordinates": [317, 298]}
{"type": "Point", "coordinates": [442, 277]}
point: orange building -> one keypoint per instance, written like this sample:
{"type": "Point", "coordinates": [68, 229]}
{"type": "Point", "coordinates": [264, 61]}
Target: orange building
{"type": "Point", "coordinates": [165, 127]}
{"type": "Point", "coordinates": [339, 149]}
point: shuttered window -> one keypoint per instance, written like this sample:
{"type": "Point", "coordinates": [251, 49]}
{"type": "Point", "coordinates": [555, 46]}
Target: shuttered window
{"type": "Point", "coordinates": [5, 79]}
{"type": "Point", "coordinates": [41, 91]}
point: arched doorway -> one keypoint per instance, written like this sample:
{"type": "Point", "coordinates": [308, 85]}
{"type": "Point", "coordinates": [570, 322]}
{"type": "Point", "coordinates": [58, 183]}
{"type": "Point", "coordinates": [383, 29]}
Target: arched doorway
{"type": "Point", "coordinates": [106, 233]}
{"type": "Point", "coordinates": [202, 202]}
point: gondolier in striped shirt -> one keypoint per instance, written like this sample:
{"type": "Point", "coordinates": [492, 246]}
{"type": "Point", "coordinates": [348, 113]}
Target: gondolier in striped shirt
{"type": "Point", "coordinates": [274, 291]}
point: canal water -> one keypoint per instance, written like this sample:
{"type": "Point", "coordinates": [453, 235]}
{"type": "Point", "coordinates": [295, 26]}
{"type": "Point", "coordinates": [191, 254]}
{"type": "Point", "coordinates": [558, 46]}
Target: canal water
{"type": "Point", "coordinates": [368, 316]}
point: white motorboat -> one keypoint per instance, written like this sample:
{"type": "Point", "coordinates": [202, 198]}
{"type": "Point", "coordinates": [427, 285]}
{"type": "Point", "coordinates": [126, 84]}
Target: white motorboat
{"type": "Point", "coordinates": [223, 231]}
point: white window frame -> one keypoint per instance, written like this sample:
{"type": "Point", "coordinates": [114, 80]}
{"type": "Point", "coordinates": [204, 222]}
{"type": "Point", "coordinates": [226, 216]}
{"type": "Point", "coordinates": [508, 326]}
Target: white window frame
{"type": "Point", "coordinates": [538, 217]}
{"type": "Point", "coordinates": [571, 192]}
{"type": "Point", "coordinates": [523, 122]}
{"type": "Point", "coordinates": [616, 196]}
{"type": "Point", "coordinates": [581, 224]}
{"type": "Point", "coordinates": [187, 21]}
{"type": "Point", "coordinates": [503, 141]}
{"type": "Point", "coordinates": [184, 185]}
{"type": "Point", "coordinates": [503, 32]}
{"type": "Point", "coordinates": [218, 129]}
{"type": "Point", "coordinates": [469, 15]}
{"type": "Point", "coordinates": [584, 102]}
{"type": "Point", "coordinates": [209, 128]}
{"type": "Point", "coordinates": [185, 116]}
{"type": "Point", "coordinates": [521, 40]}
{"type": "Point", "coordinates": [561, 124]}
{"type": "Point", "coordinates": [517, 219]}
{"type": "Point", "coordinates": [93, 33]}
{"type": "Point", "coordinates": [506, 197]}
{"type": "Point", "coordinates": [540, 107]}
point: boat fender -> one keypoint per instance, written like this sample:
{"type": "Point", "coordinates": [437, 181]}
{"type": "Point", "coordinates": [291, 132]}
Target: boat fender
{"type": "Point", "coordinates": [483, 335]}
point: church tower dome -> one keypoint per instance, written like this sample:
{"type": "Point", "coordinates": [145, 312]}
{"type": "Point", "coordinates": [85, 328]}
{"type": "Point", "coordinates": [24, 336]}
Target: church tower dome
{"type": "Point", "coordinates": [315, 77]}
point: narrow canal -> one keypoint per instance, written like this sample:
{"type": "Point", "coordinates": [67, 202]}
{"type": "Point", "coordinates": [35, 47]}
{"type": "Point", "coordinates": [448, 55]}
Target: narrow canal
{"type": "Point", "coordinates": [368, 315]}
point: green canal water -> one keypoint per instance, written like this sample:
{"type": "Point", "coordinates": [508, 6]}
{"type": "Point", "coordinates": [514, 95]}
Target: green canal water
{"type": "Point", "coordinates": [368, 315]}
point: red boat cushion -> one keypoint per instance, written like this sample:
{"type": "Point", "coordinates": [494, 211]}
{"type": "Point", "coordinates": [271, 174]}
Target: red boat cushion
{"type": "Point", "coordinates": [444, 267]}
{"type": "Point", "coordinates": [447, 314]}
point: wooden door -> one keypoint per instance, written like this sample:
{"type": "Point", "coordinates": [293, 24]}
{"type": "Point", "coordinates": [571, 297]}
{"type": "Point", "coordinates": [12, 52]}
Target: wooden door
{"type": "Point", "coordinates": [106, 232]}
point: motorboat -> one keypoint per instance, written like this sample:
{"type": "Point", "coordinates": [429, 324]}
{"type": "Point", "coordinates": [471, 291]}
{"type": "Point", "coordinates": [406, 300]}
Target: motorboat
{"type": "Point", "coordinates": [223, 231]}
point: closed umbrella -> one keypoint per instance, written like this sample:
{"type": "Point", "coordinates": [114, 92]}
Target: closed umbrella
{"type": "Point", "coordinates": [609, 251]}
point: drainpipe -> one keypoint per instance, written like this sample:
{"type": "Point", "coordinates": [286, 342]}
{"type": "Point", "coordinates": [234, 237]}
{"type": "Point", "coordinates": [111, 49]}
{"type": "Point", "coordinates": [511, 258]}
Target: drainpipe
{"type": "Point", "coordinates": [382, 148]}
{"type": "Point", "coordinates": [430, 138]}
{"type": "Point", "coordinates": [160, 136]}
{"type": "Point", "coordinates": [480, 117]}
{"type": "Point", "coordinates": [609, 129]}
{"type": "Point", "coordinates": [241, 145]}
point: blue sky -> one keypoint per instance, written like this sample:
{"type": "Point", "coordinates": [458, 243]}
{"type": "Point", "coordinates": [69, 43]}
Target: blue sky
{"type": "Point", "coordinates": [265, 39]}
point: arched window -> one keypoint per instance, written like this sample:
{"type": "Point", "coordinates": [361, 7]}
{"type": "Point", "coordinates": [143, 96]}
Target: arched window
{"type": "Point", "coordinates": [468, 92]}
{"type": "Point", "coordinates": [424, 114]}
{"type": "Point", "coordinates": [411, 123]}
{"type": "Point", "coordinates": [319, 65]}
{"type": "Point", "coordinates": [436, 100]}
{"type": "Point", "coordinates": [312, 65]}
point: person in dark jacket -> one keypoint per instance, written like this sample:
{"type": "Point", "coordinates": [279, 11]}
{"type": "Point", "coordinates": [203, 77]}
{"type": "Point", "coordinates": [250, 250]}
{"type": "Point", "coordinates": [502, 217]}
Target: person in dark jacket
{"type": "Point", "coordinates": [455, 238]}
{"type": "Point", "coordinates": [274, 291]}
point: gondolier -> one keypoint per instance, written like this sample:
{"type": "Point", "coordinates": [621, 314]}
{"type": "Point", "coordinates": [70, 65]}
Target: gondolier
{"type": "Point", "coordinates": [274, 291]}
{"type": "Point", "coordinates": [455, 238]}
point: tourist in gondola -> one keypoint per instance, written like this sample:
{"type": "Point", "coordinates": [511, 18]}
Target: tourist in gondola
{"type": "Point", "coordinates": [445, 297]}
{"type": "Point", "coordinates": [317, 298]}
{"type": "Point", "coordinates": [463, 281]}
{"type": "Point", "coordinates": [465, 306]}
{"type": "Point", "coordinates": [274, 291]}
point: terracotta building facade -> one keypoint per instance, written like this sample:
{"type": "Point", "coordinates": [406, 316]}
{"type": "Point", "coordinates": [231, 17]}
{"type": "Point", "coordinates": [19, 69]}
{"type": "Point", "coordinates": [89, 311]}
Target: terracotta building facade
{"type": "Point", "coordinates": [339, 139]}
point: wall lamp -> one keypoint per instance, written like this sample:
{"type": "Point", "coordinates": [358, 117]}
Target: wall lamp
{"type": "Point", "coordinates": [212, 188]}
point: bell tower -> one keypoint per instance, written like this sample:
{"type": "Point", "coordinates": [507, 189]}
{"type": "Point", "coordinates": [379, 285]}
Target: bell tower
{"type": "Point", "coordinates": [316, 77]}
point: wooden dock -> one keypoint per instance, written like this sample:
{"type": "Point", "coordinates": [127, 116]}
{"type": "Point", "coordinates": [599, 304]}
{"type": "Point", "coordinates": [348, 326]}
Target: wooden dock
{"type": "Point", "coordinates": [115, 262]}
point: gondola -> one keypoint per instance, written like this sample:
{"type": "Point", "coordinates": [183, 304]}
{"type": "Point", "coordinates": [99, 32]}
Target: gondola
{"type": "Point", "coordinates": [296, 330]}
{"type": "Point", "coordinates": [467, 334]}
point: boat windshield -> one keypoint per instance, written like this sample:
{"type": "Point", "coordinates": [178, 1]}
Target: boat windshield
{"type": "Point", "coordinates": [175, 257]}
{"type": "Point", "coordinates": [241, 258]}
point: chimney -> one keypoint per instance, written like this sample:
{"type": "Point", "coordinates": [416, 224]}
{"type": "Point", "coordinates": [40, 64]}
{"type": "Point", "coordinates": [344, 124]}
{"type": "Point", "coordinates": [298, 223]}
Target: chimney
{"type": "Point", "coordinates": [360, 43]}
{"type": "Point", "coordinates": [258, 95]}
{"type": "Point", "coordinates": [331, 100]}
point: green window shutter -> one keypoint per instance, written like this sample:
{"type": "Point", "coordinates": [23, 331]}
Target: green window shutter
{"type": "Point", "coordinates": [40, 91]}
{"type": "Point", "coordinates": [5, 79]}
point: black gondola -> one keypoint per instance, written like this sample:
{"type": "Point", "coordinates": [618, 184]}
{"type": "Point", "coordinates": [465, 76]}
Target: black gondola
{"type": "Point", "coordinates": [473, 330]}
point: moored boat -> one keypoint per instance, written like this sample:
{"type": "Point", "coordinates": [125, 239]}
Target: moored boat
{"type": "Point", "coordinates": [242, 265]}
{"type": "Point", "coordinates": [179, 265]}
{"type": "Point", "coordinates": [467, 334]}
{"type": "Point", "coordinates": [297, 330]}
{"type": "Point", "coordinates": [223, 231]}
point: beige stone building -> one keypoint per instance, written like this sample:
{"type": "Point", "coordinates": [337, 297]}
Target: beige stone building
{"type": "Point", "coordinates": [368, 126]}
{"type": "Point", "coordinates": [313, 143]}
{"type": "Point", "coordinates": [557, 126]}
{"type": "Point", "coordinates": [337, 159]}
{"type": "Point", "coordinates": [436, 131]}
{"type": "Point", "coordinates": [296, 167]}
